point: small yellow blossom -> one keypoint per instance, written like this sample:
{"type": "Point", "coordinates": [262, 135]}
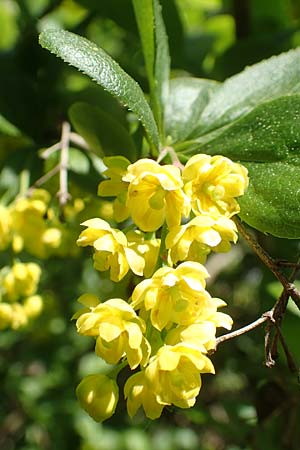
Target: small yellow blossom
{"type": "Point", "coordinates": [155, 195]}
{"type": "Point", "coordinates": [118, 329]}
{"type": "Point", "coordinates": [33, 306]}
{"type": "Point", "coordinates": [202, 335]}
{"type": "Point", "coordinates": [212, 183]}
{"type": "Point", "coordinates": [138, 392]}
{"type": "Point", "coordinates": [112, 251]}
{"type": "Point", "coordinates": [115, 186]}
{"type": "Point", "coordinates": [21, 281]}
{"type": "Point", "coordinates": [175, 295]}
{"type": "Point", "coordinates": [195, 240]}
{"type": "Point", "coordinates": [98, 396]}
{"type": "Point", "coordinates": [174, 374]}
{"type": "Point", "coordinates": [148, 249]}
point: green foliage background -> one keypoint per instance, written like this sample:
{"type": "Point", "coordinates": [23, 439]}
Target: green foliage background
{"type": "Point", "coordinates": [245, 405]}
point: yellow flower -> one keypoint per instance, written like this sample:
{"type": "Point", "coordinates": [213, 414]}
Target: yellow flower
{"type": "Point", "coordinates": [202, 335]}
{"type": "Point", "coordinates": [138, 392]}
{"type": "Point", "coordinates": [212, 183]}
{"type": "Point", "coordinates": [21, 281]}
{"type": "Point", "coordinates": [194, 240]}
{"type": "Point", "coordinates": [5, 227]}
{"type": "Point", "coordinates": [118, 329]}
{"type": "Point", "coordinates": [115, 186]}
{"type": "Point", "coordinates": [111, 248]}
{"type": "Point", "coordinates": [98, 396]}
{"type": "Point", "coordinates": [155, 195]}
{"type": "Point", "coordinates": [175, 295]}
{"type": "Point", "coordinates": [148, 249]}
{"type": "Point", "coordinates": [174, 374]}
{"type": "Point", "coordinates": [33, 306]}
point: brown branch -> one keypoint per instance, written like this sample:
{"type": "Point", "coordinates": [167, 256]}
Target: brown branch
{"type": "Point", "coordinates": [277, 312]}
{"type": "Point", "coordinates": [289, 287]}
{"type": "Point", "coordinates": [43, 179]}
{"type": "Point", "coordinates": [225, 337]}
{"type": "Point", "coordinates": [79, 141]}
{"type": "Point", "coordinates": [63, 193]}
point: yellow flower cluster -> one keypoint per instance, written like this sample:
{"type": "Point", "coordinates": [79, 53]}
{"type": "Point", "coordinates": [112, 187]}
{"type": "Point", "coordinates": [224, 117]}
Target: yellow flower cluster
{"type": "Point", "coordinates": [18, 299]}
{"type": "Point", "coordinates": [169, 323]}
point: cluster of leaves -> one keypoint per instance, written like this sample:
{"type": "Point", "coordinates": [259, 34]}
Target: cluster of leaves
{"type": "Point", "coordinates": [252, 117]}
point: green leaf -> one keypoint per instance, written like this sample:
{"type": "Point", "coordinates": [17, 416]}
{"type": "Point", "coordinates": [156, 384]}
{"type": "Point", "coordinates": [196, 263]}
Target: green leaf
{"type": "Point", "coordinates": [271, 132]}
{"type": "Point", "coordinates": [238, 95]}
{"type": "Point", "coordinates": [156, 53]}
{"type": "Point", "coordinates": [187, 100]}
{"type": "Point", "coordinates": [267, 142]}
{"type": "Point", "coordinates": [78, 161]}
{"type": "Point", "coordinates": [103, 133]}
{"type": "Point", "coordinates": [272, 201]}
{"type": "Point", "coordinates": [98, 65]}
{"type": "Point", "coordinates": [145, 20]}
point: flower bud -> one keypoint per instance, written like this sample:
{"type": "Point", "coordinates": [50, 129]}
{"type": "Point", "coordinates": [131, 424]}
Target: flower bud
{"type": "Point", "coordinates": [33, 306]}
{"type": "Point", "coordinates": [98, 396]}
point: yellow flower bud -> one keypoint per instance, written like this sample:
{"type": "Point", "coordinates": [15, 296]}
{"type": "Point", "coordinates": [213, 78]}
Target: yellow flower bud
{"type": "Point", "coordinates": [98, 396]}
{"type": "Point", "coordinates": [52, 237]}
{"type": "Point", "coordinates": [33, 306]}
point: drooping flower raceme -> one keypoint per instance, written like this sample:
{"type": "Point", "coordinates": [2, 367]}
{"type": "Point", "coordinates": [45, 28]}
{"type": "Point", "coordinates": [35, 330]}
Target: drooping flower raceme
{"type": "Point", "coordinates": [168, 326]}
